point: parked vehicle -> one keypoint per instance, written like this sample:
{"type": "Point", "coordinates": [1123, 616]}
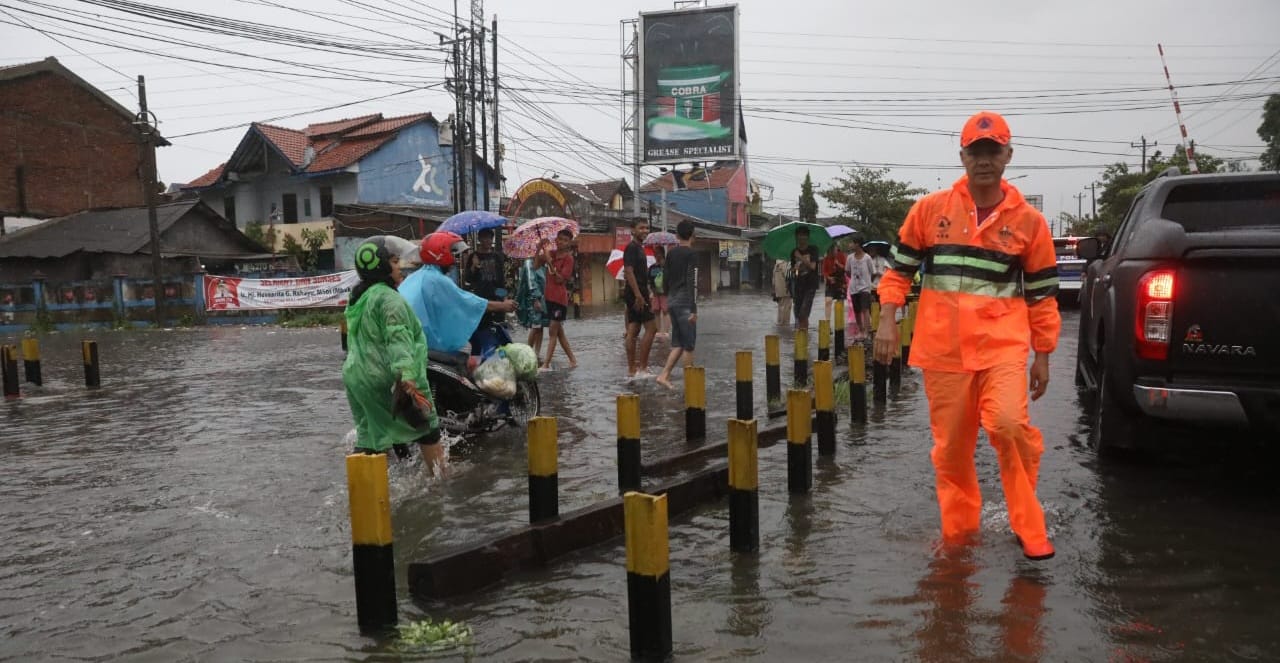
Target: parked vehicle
{"type": "Point", "coordinates": [464, 409]}
{"type": "Point", "coordinates": [1070, 269]}
{"type": "Point", "coordinates": [1180, 316]}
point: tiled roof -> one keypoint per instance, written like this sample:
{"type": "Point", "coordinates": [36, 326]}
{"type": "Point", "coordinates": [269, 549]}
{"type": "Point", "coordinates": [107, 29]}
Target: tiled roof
{"type": "Point", "coordinates": [580, 190]}
{"type": "Point", "coordinates": [340, 126]}
{"type": "Point", "coordinates": [386, 125]}
{"type": "Point", "coordinates": [208, 179]}
{"type": "Point", "coordinates": [719, 179]}
{"type": "Point", "coordinates": [607, 189]}
{"type": "Point", "coordinates": [346, 152]}
{"type": "Point", "coordinates": [333, 145]}
{"type": "Point", "coordinates": [291, 142]}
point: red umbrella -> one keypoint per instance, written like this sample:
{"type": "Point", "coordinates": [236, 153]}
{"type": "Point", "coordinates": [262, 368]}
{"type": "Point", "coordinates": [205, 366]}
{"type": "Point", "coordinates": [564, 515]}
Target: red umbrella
{"type": "Point", "coordinates": [614, 264]}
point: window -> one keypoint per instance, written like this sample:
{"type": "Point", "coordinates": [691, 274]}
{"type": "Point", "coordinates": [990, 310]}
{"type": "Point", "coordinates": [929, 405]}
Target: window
{"type": "Point", "coordinates": [306, 207]}
{"type": "Point", "coordinates": [326, 201]}
{"type": "Point", "coordinates": [1213, 206]}
{"type": "Point", "coordinates": [229, 208]}
{"type": "Point", "coordinates": [290, 208]}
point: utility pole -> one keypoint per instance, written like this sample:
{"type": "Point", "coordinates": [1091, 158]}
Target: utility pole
{"type": "Point", "coordinates": [147, 146]}
{"type": "Point", "coordinates": [484, 116]}
{"type": "Point", "coordinates": [1093, 190]}
{"type": "Point", "coordinates": [1079, 206]}
{"type": "Point", "coordinates": [1143, 144]}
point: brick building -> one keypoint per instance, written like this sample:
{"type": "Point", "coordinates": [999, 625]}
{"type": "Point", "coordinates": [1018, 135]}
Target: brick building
{"type": "Point", "coordinates": [65, 146]}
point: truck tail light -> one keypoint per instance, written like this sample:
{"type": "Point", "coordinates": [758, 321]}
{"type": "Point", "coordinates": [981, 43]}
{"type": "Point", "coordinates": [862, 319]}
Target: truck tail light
{"type": "Point", "coordinates": [1154, 318]}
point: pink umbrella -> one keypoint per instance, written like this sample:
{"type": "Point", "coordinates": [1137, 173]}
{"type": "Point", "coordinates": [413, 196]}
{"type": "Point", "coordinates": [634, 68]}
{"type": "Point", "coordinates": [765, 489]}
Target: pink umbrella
{"type": "Point", "coordinates": [525, 239]}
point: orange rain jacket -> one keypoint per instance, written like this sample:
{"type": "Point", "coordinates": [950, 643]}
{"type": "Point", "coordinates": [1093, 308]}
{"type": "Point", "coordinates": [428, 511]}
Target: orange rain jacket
{"type": "Point", "coordinates": [987, 292]}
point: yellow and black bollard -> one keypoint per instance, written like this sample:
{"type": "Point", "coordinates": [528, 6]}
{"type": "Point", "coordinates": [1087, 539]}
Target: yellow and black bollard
{"type": "Point", "coordinates": [371, 552]}
{"type": "Point", "coordinates": [839, 323]}
{"type": "Point", "coordinates": [875, 316]}
{"type": "Point", "coordinates": [629, 442]}
{"type": "Point", "coordinates": [799, 446]}
{"type": "Point", "coordinates": [695, 404]}
{"type": "Point", "coordinates": [342, 329]}
{"type": "Point", "coordinates": [544, 491]}
{"type": "Point", "coordinates": [824, 340]}
{"type": "Point", "coordinates": [800, 374]}
{"type": "Point", "coordinates": [746, 397]}
{"type": "Point", "coordinates": [31, 361]}
{"type": "Point", "coordinates": [648, 575]}
{"type": "Point", "coordinates": [744, 494]}
{"type": "Point", "coordinates": [824, 396]}
{"type": "Point", "coordinates": [9, 370]}
{"type": "Point", "coordinates": [92, 378]}
{"type": "Point", "coordinates": [857, 385]}
{"type": "Point", "coordinates": [772, 371]}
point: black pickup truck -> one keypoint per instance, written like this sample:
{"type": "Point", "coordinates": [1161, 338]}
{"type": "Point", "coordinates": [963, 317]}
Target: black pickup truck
{"type": "Point", "coordinates": [1180, 315]}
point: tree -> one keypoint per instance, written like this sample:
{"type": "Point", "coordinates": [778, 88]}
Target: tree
{"type": "Point", "coordinates": [1120, 185]}
{"type": "Point", "coordinates": [264, 235]}
{"type": "Point", "coordinates": [808, 205]}
{"type": "Point", "coordinates": [873, 204]}
{"type": "Point", "coordinates": [1269, 132]}
{"type": "Point", "coordinates": [306, 252]}
{"type": "Point", "coordinates": [1070, 224]}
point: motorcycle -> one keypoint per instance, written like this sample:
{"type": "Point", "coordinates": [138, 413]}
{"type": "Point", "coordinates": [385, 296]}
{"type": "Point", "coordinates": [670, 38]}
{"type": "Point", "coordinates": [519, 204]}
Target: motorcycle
{"type": "Point", "coordinates": [463, 408]}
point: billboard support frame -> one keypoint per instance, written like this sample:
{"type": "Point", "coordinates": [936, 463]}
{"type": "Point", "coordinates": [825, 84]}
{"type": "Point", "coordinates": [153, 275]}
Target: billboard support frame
{"type": "Point", "coordinates": [629, 46]}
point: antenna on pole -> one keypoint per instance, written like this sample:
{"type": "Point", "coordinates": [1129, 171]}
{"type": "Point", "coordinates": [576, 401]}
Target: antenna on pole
{"type": "Point", "coordinates": [1177, 111]}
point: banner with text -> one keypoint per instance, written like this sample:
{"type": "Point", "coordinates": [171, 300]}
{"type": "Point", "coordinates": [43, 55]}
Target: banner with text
{"type": "Point", "coordinates": [228, 293]}
{"type": "Point", "coordinates": [689, 85]}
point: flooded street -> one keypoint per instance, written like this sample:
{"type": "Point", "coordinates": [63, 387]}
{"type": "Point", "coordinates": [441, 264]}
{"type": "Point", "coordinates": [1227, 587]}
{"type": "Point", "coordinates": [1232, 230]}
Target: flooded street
{"type": "Point", "coordinates": [195, 508]}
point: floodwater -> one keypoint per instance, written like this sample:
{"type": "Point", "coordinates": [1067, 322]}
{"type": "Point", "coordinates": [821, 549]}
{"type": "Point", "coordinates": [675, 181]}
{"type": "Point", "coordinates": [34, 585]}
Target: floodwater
{"type": "Point", "coordinates": [194, 508]}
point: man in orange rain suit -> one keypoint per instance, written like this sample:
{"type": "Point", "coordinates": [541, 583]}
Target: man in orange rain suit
{"type": "Point", "coordinates": [988, 298]}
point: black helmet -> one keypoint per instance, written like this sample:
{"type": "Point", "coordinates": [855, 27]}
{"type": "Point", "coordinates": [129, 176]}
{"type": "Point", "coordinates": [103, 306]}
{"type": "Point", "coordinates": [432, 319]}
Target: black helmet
{"type": "Point", "coordinates": [373, 259]}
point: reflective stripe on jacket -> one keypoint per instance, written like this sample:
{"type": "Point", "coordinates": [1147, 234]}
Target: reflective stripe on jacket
{"type": "Point", "coordinates": [988, 293]}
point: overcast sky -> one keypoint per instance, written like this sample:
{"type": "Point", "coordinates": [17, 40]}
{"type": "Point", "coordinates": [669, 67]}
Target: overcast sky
{"type": "Point", "coordinates": [825, 83]}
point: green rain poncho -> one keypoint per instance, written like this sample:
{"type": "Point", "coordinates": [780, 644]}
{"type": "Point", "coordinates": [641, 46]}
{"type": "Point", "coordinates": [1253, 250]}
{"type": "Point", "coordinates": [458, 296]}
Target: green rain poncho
{"type": "Point", "coordinates": [385, 344]}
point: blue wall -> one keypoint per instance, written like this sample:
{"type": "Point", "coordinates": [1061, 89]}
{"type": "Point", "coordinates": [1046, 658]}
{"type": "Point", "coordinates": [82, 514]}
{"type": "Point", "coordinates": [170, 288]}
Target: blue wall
{"type": "Point", "coordinates": [711, 205]}
{"type": "Point", "coordinates": [412, 169]}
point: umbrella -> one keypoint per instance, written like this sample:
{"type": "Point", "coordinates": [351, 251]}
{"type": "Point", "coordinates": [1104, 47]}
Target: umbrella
{"type": "Point", "coordinates": [470, 221]}
{"type": "Point", "coordinates": [839, 230]}
{"type": "Point", "coordinates": [524, 240]}
{"type": "Point", "coordinates": [867, 246]}
{"type": "Point", "coordinates": [781, 241]}
{"type": "Point", "coordinates": [661, 239]}
{"type": "Point", "coordinates": [614, 264]}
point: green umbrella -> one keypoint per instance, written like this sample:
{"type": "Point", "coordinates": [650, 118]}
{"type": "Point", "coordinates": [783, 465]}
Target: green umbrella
{"type": "Point", "coordinates": [781, 241]}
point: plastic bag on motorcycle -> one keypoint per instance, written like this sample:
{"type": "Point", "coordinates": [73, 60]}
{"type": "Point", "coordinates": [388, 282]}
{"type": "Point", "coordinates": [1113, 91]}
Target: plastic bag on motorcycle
{"type": "Point", "coordinates": [496, 376]}
{"type": "Point", "coordinates": [523, 359]}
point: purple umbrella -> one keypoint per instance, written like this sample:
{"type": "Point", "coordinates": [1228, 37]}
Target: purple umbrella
{"type": "Point", "coordinates": [839, 230]}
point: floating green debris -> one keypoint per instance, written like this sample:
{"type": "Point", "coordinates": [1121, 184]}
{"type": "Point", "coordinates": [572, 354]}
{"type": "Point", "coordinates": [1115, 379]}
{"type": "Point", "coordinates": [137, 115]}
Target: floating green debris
{"type": "Point", "coordinates": [428, 635]}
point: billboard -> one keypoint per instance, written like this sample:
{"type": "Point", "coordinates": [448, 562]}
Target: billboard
{"type": "Point", "coordinates": [689, 85]}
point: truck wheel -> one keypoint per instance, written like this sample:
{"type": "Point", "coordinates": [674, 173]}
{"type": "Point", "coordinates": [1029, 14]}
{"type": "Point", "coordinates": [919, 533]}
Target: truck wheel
{"type": "Point", "coordinates": [1113, 428]}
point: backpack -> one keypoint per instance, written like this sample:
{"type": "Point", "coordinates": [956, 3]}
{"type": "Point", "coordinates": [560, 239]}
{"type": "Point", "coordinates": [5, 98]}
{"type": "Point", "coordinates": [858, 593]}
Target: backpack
{"type": "Point", "coordinates": [656, 275]}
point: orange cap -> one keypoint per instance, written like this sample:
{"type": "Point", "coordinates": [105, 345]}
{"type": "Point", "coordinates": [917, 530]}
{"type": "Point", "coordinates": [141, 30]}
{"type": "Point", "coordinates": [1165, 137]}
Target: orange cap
{"type": "Point", "coordinates": [985, 125]}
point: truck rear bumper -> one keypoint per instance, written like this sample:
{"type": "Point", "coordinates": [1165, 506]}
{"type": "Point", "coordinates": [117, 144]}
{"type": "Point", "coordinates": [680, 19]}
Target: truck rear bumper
{"type": "Point", "coordinates": [1202, 406]}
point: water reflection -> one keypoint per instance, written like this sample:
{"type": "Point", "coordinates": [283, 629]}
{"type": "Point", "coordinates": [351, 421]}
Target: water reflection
{"type": "Point", "coordinates": [953, 620]}
{"type": "Point", "coordinates": [749, 611]}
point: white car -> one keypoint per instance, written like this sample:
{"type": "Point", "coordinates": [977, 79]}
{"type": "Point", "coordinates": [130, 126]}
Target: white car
{"type": "Point", "coordinates": [1070, 268]}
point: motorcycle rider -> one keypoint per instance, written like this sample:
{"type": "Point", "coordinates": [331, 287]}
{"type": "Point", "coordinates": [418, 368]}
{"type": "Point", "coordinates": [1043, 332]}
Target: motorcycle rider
{"type": "Point", "coordinates": [450, 316]}
{"type": "Point", "coordinates": [386, 346]}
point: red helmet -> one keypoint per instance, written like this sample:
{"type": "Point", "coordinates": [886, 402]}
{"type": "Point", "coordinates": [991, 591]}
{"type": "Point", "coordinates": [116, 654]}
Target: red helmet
{"type": "Point", "coordinates": [442, 249]}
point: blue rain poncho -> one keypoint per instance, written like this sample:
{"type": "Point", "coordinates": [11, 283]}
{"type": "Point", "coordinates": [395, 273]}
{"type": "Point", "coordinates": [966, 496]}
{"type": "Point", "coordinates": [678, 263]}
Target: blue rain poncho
{"type": "Point", "coordinates": [384, 344]}
{"type": "Point", "coordinates": [449, 314]}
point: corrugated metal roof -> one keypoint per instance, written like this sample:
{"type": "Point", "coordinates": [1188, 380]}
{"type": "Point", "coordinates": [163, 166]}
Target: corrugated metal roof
{"type": "Point", "coordinates": [126, 230]}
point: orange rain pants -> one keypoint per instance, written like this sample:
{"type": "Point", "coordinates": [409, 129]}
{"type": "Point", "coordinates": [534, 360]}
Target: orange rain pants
{"type": "Point", "coordinates": [996, 398]}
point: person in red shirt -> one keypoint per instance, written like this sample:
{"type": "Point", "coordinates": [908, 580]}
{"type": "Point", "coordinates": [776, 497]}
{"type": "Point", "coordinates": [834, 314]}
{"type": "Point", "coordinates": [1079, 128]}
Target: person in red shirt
{"type": "Point", "coordinates": [833, 276]}
{"type": "Point", "coordinates": [559, 275]}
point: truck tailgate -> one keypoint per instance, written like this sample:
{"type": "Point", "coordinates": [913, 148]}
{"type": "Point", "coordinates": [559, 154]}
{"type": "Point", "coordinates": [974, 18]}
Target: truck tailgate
{"type": "Point", "coordinates": [1226, 315]}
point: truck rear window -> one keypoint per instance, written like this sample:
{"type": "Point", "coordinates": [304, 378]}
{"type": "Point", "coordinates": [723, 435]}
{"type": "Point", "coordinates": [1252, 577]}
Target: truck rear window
{"type": "Point", "coordinates": [1214, 206]}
